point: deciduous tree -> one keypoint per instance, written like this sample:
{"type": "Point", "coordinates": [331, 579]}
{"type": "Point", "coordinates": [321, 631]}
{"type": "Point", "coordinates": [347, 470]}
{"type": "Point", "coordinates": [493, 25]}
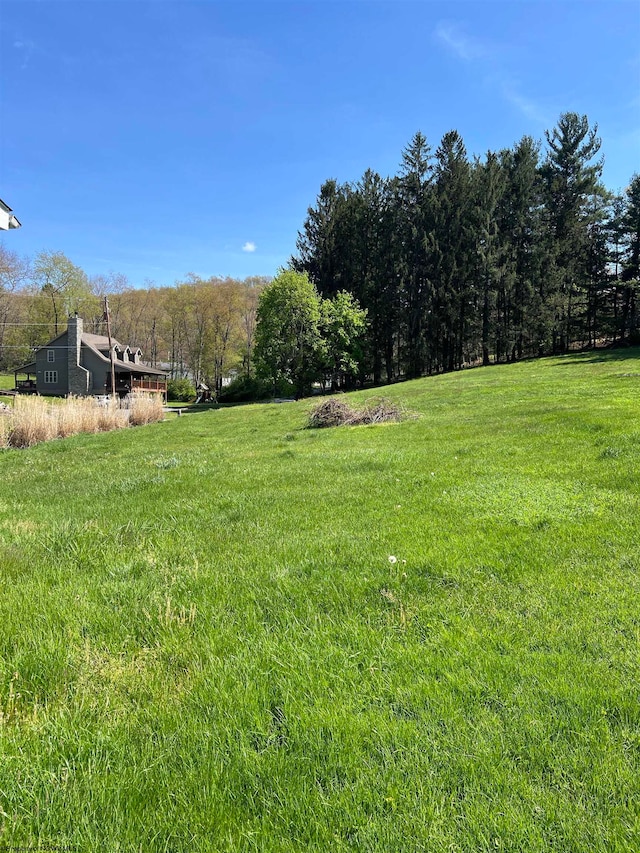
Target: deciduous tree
{"type": "Point", "coordinates": [288, 340]}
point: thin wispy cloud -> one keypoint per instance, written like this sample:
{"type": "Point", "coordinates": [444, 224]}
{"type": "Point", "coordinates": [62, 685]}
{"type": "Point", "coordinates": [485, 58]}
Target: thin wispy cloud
{"type": "Point", "coordinates": [29, 50]}
{"type": "Point", "coordinates": [249, 247]}
{"type": "Point", "coordinates": [458, 42]}
{"type": "Point", "coordinates": [26, 47]}
{"type": "Point", "coordinates": [526, 106]}
{"type": "Point", "coordinates": [473, 51]}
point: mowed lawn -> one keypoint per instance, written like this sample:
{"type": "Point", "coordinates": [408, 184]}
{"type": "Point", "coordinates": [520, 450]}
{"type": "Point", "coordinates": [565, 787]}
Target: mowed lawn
{"type": "Point", "coordinates": [204, 644]}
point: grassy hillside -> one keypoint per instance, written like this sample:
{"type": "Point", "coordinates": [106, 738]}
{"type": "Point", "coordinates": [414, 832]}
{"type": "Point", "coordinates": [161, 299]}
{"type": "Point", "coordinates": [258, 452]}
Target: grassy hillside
{"type": "Point", "coordinates": [204, 645]}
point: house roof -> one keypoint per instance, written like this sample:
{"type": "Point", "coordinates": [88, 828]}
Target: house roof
{"type": "Point", "coordinates": [99, 342]}
{"type": "Point", "coordinates": [100, 345]}
{"type": "Point", "coordinates": [131, 367]}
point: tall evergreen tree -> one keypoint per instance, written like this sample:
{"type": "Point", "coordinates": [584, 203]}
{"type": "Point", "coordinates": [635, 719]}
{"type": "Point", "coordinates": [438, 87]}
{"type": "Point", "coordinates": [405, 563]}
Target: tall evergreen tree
{"type": "Point", "coordinates": [492, 310]}
{"type": "Point", "coordinates": [375, 276]}
{"type": "Point", "coordinates": [519, 216]}
{"type": "Point", "coordinates": [454, 249]}
{"type": "Point", "coordinates": [598, 278]}
{"type": "Point", "coordinates": [414, 226]}
{"type": "Point", "coordinates": [570, 178]}
{"type": "Point", "coordinates": [321, 249]}
{"type": "Point", "coordinates": [631, 262]}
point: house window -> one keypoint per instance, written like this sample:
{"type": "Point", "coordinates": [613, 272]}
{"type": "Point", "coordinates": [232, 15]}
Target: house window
{"type": "Point", "coordinates": [51, 355]}
{"type": "Point", "coordinates": [51, 377]}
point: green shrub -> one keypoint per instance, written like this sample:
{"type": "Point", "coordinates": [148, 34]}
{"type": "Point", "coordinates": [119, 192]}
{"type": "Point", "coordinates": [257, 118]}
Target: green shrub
{"type": "Point", "coordinates": [181, 390]}
{"type": "Point", "coordinates": [247, 388]}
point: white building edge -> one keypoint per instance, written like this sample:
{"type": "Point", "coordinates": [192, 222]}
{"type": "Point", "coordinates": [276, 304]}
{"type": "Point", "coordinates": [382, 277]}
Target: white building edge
{"type": "Point", "coordinates": [7, 218]}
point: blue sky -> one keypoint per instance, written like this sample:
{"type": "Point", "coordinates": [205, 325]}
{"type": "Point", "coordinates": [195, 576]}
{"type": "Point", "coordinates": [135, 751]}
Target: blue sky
{"type": "Point", "coordinates": [163, 137]}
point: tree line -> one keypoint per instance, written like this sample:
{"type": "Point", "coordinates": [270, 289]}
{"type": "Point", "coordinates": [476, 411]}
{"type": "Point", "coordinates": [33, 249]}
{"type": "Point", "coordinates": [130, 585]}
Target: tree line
{"type": "Point", "coordinates": [453, 261]}
{"type": "Point", "coordinates": [203, 329]}
{"type": "Point", "coordinates": [464, 261]}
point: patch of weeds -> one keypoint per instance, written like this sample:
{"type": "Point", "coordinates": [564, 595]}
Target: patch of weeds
{"type": "Point", "coordinates": [403, 712]}
{"type": "Point", "coordinates": [278, 730]}
{"type": "Point", "coordinates": [611, 453]}
{"type": "Point", "coordinates": [626, 445]}
{"type": "Point", "coordinates": [167, 462]}
{"type": "Point", "coordinates": [131, 484]}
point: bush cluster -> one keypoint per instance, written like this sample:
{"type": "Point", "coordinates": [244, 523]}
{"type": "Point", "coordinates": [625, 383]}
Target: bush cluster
{"type": "Point", "coordinates": [181, 391]}
{"type": "Point", "coordinates": [337, 412]}
{"type": "Point", "coordinates": [245, 389]}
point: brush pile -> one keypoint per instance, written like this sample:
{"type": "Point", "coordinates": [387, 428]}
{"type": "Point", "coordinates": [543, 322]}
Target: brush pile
{"type": "Point", "coordinates": [336, 412]}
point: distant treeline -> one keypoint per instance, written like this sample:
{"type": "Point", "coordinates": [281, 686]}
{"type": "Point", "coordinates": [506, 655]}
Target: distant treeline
{"type": "Point", "coordinates": [457, 261]}
{"type": "Point", "coordinates": [203, 329]}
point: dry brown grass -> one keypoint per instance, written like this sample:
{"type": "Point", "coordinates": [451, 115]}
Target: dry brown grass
{"type": "Point", "coordinates": [33, 420]}
{"type": "Point", "coordinates": [111, 415]}
{"type": "Point", "coordinates": [337, 412]}
{"type": "Point", "coordinates": [87, 413]}
{"type": "Point", "coordinates": [67, 421]}
{"type": "Point", "coordinates": [72, 415]}
{"type": "Point", "coordinates": [4, 428]}
{"type": "Point", "coordinates": [145, 408]}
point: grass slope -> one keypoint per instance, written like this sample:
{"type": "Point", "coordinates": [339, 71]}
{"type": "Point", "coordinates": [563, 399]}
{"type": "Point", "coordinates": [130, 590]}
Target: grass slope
{"type": "Point", "coordinates": [205, 647]}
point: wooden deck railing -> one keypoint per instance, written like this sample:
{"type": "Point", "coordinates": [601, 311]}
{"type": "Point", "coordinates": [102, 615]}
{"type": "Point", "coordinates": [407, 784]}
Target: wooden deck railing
{"type": "Point", "coordinates": [149, 385]}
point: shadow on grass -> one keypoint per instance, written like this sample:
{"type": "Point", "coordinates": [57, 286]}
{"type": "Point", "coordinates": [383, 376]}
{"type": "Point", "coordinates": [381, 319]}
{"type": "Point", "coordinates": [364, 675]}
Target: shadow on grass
{"type": "Point", "coordinates": [598, 356]}
{"type": "Point", "coordinates": [191, 409]}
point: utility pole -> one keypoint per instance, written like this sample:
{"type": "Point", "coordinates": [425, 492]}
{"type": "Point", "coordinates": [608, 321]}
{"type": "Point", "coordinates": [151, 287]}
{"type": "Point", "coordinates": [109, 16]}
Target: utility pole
{"type": "Point", "coordinates": [113, 372]}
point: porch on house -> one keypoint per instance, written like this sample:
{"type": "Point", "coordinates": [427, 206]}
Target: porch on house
{"type": "Point", "coordinates": [149, 384]}
{"type": "Point", "coordinates": [28, 385]}
{"type": "Point", "coordinates": [125, 383]}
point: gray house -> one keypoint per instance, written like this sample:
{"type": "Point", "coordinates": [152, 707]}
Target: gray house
{"type": "Point", "coordinates": [79, 363]}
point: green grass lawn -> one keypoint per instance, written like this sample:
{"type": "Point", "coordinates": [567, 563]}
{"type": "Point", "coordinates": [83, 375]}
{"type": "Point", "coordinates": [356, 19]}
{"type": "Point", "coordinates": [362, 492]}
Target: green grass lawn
{"type": "Point", "coordinates": [205, 647]}
{"type": "Point", "coordinates": [7, 381]}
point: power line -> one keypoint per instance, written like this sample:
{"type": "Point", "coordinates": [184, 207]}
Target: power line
{"type": "Point", "coordinates": [37, 346]}
{"type": "Point", "coordinates": [48, 325]}
{"type": "Point", "coordinates": [18, 294]}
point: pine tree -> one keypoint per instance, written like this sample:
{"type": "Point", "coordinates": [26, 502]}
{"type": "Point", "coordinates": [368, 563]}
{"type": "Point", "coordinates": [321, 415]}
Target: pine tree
{"type": "Point", "coordinates": [375, 278]}
{"type": "Point", "coordinates": [454, 249]}
{"type": "Point", "coordinates": [569, 179]}
{"type": "Point", "coordinates": [492, 311]}
{"type": "Point", "coordinates": [631, 261]}
{"type": "Point", "coordinates": [519, 225]}
{"type": "Point", "coordinates": [320, 245]}
{"type": "Point", "coordinates": [414, 225]}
